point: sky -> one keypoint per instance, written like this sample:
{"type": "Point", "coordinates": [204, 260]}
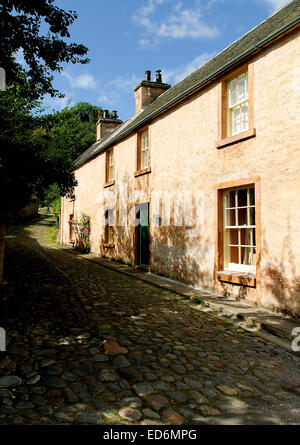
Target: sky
{"type": "Point", "coordinates": [125, 38]}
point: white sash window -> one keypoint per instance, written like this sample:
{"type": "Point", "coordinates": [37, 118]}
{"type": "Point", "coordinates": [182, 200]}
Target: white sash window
{"type": "Point", "coordinates": [239, 230]}
{"type": "Point", "coordinates": [110, 166]}
{"type": "Point", "coordinates": [238, 104]}
{"type": "Point", "coordinates": [144, 149]}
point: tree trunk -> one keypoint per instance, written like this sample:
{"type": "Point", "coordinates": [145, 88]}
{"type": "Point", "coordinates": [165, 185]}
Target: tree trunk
{"type": "Point", "coordinates": [2, 243]}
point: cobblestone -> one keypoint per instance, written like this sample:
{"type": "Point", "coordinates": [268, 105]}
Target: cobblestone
{"type": "Point", "coordinates": [87, 345]}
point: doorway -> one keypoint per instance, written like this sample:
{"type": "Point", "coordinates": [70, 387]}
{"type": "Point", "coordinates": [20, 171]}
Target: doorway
{"type": "Point", "coordinates": [142, 234]}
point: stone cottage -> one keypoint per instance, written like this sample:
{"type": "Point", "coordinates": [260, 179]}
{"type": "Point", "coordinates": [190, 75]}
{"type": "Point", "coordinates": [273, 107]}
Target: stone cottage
{"type": "Point", "coordinates": [202, 183]}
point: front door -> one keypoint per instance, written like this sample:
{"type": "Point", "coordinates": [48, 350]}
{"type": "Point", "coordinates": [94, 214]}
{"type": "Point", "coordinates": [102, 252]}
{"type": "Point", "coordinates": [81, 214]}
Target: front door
{"type": "Point", "coordinates": [143, 234]}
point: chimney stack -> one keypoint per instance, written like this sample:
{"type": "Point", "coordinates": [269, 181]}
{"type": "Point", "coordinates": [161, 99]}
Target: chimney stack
{"type": "Point", "coordinates": [148, 76]}
{"type": "Point", "coordinates": [107, 124]}
{"type": "Point", "coordinates": [147, 91]}
{"type": "Point", "coordinates": [158, 76]}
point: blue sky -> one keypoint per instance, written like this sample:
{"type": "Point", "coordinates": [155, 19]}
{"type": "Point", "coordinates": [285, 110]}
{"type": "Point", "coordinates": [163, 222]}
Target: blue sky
{"type": "Point", "coordinates": [125, 38]}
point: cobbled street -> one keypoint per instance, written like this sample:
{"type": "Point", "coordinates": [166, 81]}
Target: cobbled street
{"type": "Point", "coordinates": [88, 345]}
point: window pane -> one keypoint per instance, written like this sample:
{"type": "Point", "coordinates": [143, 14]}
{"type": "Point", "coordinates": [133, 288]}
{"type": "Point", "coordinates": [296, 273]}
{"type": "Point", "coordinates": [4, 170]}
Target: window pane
{"type": "Point", "coordinates": [252, 216]}
{"type": "Point", "coordinates": [145, 140]}
{"type": "Point", "coordinates": [242, 88]}
{"type": "Point", "coordinates": [230, 199]}
{"type": "Point", "coordinates": [237, 120]}
{"type": "Point", "coordinates": [246, 237]}
{"type": "Point", "coordinates": [242, 197]}
{"type": "Point", "coordinates": [242, 217]}
{"type": "Point", "coordinates": [110, 235]}
{"type": "Point", "coordinates": [111, 173]}
{"type": "Point", "coordinates": [244, 116]}
{"type": "Point", "coordinates": [248, 257]}
{"type": "Point", "coordinates": [230, 218]}
{"type": "Point", "coordinates": [110, 218]}
{"type": "Point", "coordinates": [233, 255]}
{"type": "Point", "coordinates": [232, 92]}
{"type": "Point", "coordinates": [234, 237]}
{"type": "Point", "coordinates": [144, 159]}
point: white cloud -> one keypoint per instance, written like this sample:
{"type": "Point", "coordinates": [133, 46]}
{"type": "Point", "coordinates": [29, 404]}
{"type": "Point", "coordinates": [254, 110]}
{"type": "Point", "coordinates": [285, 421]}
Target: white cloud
{"type": "Point", "coordinates": [180, 23]}
{"type": "Point", "coordinates": [57, 103]}
{"type": "Point", "coordinates": [104, 99]}
{"type": "Point", "coordinates": [85, 81]}
{"type": "Point", "coordinates": [182, 71]}
{"type": "Point", "coordinates": [187, 23]}
{"type": "Point", "coordinates": [125, 84]}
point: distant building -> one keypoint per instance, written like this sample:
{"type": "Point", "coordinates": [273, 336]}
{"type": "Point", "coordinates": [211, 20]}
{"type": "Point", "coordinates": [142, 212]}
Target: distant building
{"type": "Point", "coordinates": [202, 184]}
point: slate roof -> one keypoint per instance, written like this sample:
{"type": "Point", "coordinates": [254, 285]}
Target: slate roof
{"type": "Point", "coordinates": [278, 23]}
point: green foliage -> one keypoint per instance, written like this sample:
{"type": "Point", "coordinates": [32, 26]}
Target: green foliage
{"type": "Point", "coordinates": [32, 156]}
{"type": "Point", "coordinates": [40, 29]}
{"type": "Point", "coordinates": [52, 199]}
{"type": "Point", "coordinates": [72, 131]}
{"type": "Point", "coordinates": [66, 135]}
{"type": "Point", "coordinates": [26, 165]}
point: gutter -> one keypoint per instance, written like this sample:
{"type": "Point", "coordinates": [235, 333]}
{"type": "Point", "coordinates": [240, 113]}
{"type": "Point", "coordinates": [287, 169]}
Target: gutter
{"type": "Point", "coordinates": [198, 85]}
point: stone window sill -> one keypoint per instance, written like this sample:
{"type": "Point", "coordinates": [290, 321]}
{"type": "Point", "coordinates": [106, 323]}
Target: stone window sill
{"type": "Point", "coordinates": [108, 246]}
{"type": "Point", "coordinates": [244, 279]}
{"type": "Point", "coordinates": [109, 184]}
{"type": "Point", "coordinates": [237, 138]}
{"type": "Point", "coordinates": [142, 172]}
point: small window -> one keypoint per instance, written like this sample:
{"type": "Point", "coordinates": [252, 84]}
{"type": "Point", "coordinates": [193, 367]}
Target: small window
{"type": "Point", "coordinates": [238, 104]}
{"type": "Point", "coordinates": [109, 226]}
{"type": "Point", "coordinates": [239, 230]}
{"type": "Point", "coordinates": [144, 150]}
{"type": "Point", "coordinates": [143, 160]}
{"type": "Point", "coordinates": [109, 166]}
{"type": "Point", "coordinates": [236, 107]}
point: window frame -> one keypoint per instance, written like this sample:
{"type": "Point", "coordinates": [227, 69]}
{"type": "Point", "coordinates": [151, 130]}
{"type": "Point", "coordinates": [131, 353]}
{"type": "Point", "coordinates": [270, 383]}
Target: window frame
{"type": "Point", "coordinates": [237, 105]}
{"type": "Point", "coordinates": [222, 274]}
{"type": "Point", "coordinates": [109, 181]}
{"type": "Point", "coordinates": [141, 169]}
{"type": "Point", "coordinates": [109, 228]}
{"type": "Point", "coordinates": [231, 223]}
{"type": "Point", "coordinates": [225, 137]}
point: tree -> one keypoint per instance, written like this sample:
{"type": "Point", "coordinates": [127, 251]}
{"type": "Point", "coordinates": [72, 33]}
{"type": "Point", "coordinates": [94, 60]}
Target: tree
{"type": "Point", "coordinates": [39, 29]}
{"type": "Point", "coordinates": [68, 134]}
{"type": "Point", "coordinates": [73, 130]}
{"type": "Point", "coordinates": [22, 24]}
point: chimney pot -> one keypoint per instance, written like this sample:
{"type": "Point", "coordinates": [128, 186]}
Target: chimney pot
{"type": "Point", "coordinates": [148, 75]}
{"type": "Point", "coordinates": [158, 76]}
{"type": "Point", "coordinates": [105, 114]}
{"type": "Point", "coordinates": [115, 114]}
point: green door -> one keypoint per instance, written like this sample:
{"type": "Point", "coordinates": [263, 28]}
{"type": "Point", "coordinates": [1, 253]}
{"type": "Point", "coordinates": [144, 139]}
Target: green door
{"type": "Point", "coordinates": [143, 234]}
